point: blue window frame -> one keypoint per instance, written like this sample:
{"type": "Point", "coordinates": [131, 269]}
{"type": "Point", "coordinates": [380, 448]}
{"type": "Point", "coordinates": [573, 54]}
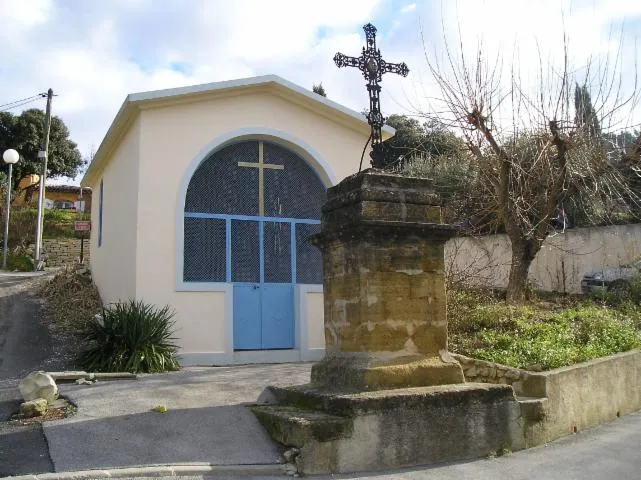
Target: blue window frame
{"type": "Point", "coordinates": [100, 201]}
{"type": "Point", "coordinates": [249, 210]}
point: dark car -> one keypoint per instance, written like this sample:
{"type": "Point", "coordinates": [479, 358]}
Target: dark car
{"type": "Point", "coordinates": [614, 280]}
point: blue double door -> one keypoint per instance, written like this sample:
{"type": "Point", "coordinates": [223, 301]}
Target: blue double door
{"type": "Point", "coordinates": [249, 209]}
{"type": "Point", "coordinates": [263, 273]}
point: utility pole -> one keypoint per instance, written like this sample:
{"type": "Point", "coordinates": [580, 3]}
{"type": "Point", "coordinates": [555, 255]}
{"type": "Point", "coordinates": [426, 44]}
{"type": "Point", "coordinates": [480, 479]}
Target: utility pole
{"type": "Point", "coordinates": [43, 154]}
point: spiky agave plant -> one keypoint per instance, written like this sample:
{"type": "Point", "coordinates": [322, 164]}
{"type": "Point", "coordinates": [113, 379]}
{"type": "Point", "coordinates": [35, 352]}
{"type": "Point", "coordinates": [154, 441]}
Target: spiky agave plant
{"type": "Point", "coordinates": [130, 337]}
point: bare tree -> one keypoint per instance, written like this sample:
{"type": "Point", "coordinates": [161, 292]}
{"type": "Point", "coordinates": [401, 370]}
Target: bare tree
{"type": "Point", "coordinates": [530, 154]}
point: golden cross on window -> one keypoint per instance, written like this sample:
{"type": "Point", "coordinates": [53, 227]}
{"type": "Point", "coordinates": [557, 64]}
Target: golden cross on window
{"type": "Point", "coordinates": [261, 166]}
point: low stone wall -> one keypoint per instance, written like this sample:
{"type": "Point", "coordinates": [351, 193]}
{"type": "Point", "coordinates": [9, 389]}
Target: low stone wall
{"type": "Point", "coordinates": [570, 398]}
{"type": "Point", "coordinates": [588, 394]}
{"type": "Point", "coordinates": [64, 251]}
{"type": "Point", "coordinates": [524, 382]}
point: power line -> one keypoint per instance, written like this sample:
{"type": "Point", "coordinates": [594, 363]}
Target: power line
{"type": "Point", "coordinates": [21, 102]}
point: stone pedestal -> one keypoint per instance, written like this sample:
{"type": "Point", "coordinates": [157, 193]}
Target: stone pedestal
{"type": "Point", "coordinates": [384, 286]}
{"type": "Point", "coordinates": [387, 394]}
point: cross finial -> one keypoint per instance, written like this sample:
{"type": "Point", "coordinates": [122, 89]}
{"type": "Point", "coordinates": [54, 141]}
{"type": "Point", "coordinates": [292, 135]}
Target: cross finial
{"type": "Point", "coordinates": [373, 67]}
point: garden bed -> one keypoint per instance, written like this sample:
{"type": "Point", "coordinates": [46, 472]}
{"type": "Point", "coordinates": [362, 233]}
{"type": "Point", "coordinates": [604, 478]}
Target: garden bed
{"type": "Point", "coordinates": [542, 334]}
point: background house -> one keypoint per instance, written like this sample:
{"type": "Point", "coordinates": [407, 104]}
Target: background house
{"type": "Point", "coordinates": [64, 197]}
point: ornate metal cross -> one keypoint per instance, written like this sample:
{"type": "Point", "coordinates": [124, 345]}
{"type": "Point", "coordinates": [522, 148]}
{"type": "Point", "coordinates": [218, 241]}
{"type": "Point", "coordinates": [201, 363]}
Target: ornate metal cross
{"type": "Point", "coordinates": [373, 67]}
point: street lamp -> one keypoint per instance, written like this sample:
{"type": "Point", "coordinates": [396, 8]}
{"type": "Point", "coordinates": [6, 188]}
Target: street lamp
{"type": "Point", "coordinates": [10, 157]}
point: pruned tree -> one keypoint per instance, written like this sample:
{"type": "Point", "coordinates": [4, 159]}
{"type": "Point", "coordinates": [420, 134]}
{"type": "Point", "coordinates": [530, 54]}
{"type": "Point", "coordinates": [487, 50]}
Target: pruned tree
{"type": "Point", "coordinates": [532, 147]}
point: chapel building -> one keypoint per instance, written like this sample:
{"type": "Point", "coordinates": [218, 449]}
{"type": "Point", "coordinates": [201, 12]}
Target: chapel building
{"type": "Point", "coordinates": [204, 198]}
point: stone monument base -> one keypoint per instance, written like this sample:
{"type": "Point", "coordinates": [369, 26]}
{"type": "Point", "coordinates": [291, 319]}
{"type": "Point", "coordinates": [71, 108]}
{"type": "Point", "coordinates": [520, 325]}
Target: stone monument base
{"type": "Point", "coordinates": [375, 371]}
{"type": "Point", "coordinates": [338, 431]}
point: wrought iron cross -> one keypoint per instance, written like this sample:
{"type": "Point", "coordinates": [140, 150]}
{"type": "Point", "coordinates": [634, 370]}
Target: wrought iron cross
{"type": "Point", "coordinates": [373, 67]}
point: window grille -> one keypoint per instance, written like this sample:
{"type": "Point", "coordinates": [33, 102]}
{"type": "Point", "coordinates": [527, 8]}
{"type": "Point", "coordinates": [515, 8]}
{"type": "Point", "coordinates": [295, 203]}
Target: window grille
{"type": "Point", "coordinates": [245, 265]}
{"type": "Point", "coordinates": [204, 250]}
{"type": "Point", "coordinates": [278, 258]}
{"type": "Point", "coordinates": [309, 265]}
{"type": "Point", "coordinates": [295, 191]}
{"type": "Point", "coordinates": [219, 185]}
{"type": "Point", "coordinates": [222, 211]}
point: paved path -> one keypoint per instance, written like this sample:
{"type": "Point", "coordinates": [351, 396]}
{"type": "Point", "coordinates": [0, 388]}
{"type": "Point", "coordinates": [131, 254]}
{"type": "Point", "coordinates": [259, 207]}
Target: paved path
{"type": "Point", "coordinates": [609, 452]}
{"type": "Point", "coordinates": [25, 345]}
{"type": "Point", "coordinates": [206, 421]}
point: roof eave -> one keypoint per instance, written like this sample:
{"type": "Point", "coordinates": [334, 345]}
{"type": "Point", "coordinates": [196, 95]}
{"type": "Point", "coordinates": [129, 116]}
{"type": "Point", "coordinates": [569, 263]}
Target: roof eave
{"type": "Point", "coordinates": [132, 102]}
{"type": "Point", "coordinates": [120, 121]}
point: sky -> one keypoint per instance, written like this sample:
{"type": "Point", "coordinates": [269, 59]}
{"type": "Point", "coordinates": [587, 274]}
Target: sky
{"type": "Point", "coordinates": [93, 53]}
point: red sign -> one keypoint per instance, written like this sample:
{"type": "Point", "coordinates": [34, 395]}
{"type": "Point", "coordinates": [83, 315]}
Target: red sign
{"type": "Point", "coordinates": [82, 226]}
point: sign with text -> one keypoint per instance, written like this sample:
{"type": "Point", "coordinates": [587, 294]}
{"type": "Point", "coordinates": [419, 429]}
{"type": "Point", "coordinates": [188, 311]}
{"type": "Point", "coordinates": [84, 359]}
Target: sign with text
{"type": "Point", "coordinates": [82, 225]}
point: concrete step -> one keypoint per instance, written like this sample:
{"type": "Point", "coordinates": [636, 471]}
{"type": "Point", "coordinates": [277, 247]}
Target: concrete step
{"type": "Point", "coordinates": [71, 376]}
{"type": "Point", "coordinates": [295, 427]}
{"type": "Point", "coordinates": [533, 408]}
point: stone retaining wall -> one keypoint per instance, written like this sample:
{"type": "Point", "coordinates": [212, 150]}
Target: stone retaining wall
{"type": "Point", "coordinates": [64, 251]}
{"type": "Point", "coordinates": [569, 399]}
{"type": "Point", "coordinates": [524, 382]}
{"type": "Point", "coordinates": [587, 394]}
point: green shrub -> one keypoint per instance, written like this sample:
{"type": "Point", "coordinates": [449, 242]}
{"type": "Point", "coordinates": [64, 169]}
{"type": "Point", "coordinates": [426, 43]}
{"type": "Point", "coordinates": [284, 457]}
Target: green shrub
{"type": "Point", "coordinates": [56, 224]}
{"type": "Point", "coordinates": [130, 337]}
{"type": "Point", "coordinates": [55, 215]}
{"type": "Point", "coordinates": [19, 262]}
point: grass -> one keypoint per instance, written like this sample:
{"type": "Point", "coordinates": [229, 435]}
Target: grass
{"type": "Point", "coordinates": [541, 334]}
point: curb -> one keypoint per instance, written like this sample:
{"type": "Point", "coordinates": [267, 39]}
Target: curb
{"type": "Point", "coordinates": [191, 469]}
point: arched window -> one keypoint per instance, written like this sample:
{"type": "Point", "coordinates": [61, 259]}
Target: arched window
{"type": "Point", "coordinates": [249, 210]}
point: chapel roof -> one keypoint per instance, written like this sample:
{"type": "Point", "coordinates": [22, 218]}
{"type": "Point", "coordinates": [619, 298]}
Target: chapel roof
{"type": "Point", "coordinates": [134, 101]}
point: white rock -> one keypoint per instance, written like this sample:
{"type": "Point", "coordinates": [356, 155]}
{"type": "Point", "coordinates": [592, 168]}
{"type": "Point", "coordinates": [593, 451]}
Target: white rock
{"type": "Point", "coordinates": [38, 385]}
{"type": "Point", "coordinates": [34, 408]}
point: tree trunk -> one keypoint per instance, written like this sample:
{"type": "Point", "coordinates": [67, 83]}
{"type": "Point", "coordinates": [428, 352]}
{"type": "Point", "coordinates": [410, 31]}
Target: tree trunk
{"type": "Point", "coordinates": [523, 253]}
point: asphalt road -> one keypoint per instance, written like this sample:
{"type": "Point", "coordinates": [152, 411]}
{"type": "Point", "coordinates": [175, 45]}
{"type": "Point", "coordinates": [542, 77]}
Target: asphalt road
{"type": "Point", "coordinates": [610, 451]}
{"type": "Point", "coordinates": [25, 345]}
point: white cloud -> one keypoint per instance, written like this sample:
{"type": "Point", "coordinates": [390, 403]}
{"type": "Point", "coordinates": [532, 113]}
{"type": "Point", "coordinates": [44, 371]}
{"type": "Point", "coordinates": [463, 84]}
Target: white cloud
{"type": "Point", "coordinates": [409, 8]}
{"type": "Point", "coordinates": [94, 53]}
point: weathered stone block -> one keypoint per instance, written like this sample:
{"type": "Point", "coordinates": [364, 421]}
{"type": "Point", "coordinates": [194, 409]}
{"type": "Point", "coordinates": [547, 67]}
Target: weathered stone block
{"type": "Point", "coordinates": [402, 427]}
{"type": "Point", "coordinates": [383, 251]}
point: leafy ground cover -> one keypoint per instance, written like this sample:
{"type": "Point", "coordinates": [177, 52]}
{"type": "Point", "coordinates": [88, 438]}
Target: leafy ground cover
{"type": "Point", "coordinates": [22, 229]}
{"type": "Point", "coordinates": [542, 334]}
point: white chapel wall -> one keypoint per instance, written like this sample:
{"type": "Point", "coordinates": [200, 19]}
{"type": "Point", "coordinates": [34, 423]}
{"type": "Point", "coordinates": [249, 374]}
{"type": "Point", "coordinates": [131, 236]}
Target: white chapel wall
{"type": "Point", "coordinates": [113, 263]}
{"type": "Point", "coordinates": [171, 138]}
